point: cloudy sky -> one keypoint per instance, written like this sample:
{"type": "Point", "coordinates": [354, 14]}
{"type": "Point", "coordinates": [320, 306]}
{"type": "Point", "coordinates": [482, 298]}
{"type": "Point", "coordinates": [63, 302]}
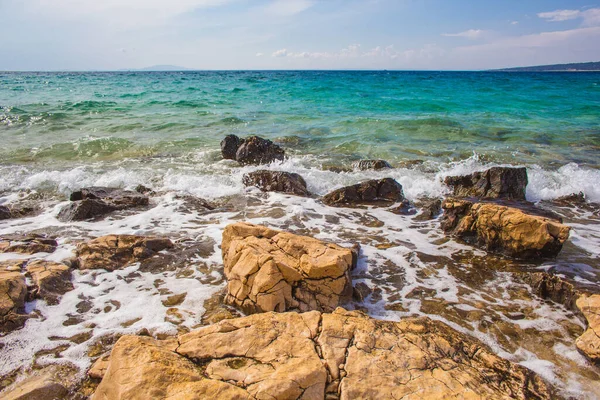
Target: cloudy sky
{"type": "Point", "coordinates": [296, 34]}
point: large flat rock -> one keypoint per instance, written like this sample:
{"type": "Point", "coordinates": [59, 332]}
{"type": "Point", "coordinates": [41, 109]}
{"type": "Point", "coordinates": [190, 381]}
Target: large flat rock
{"type": "Point", "coordinates": [343, 355]}
{"type": "Point", "coordinates": [270, 270]}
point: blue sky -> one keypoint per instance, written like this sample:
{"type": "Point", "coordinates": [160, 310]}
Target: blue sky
{"type": "Point", "coordinates": [296, 34]}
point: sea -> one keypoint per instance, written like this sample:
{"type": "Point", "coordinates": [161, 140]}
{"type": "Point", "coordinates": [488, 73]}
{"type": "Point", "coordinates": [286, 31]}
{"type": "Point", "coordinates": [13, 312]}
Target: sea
{"type": "Point", "coordinates": [61, 131]}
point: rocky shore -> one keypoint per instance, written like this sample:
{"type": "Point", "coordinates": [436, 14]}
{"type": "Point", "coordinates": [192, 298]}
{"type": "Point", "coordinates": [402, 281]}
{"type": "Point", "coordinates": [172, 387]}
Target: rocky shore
{"type": "Point", "coordinates": [286, 318]}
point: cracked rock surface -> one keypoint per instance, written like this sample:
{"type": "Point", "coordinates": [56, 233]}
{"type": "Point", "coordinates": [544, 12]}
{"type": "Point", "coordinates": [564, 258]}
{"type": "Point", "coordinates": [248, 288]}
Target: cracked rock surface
{"type": "Point", "coordinates": [12, 300]}
{"type": "Point", "coordinates": [343, 355]}
{"type": "Point", "coordinates": [504, 229]}
{"type": "Point", "coordinates": [112, 252]}
{"type": "Point", "coordinates": [589, 342]}
{"type": "Point", "coordinates": [269, 270]}
{"type": "Point", "coordinates": [27, 244]}
{"type": "Point", "coordinates": [50, 279]}
{"type": "Point", "coordinates": [494, 183]}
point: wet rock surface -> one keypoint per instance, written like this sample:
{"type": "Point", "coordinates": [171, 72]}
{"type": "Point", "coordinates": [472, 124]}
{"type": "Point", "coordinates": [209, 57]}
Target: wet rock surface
{"type": "Point", "coordinates": [430, 209]}
{"type": "Point", "coordinates": [503, 229]}
{"type": "Point", "coordinates": [12, 300]}
{"type": "Point", "coordinates": [93, 202]}
{"type": "Point", "coordinates": [27, 244]}
{"type": "Point", "coordinates": [50, 279]}
{"type": "Point", "coordinates": [5, 213]}
{"type": "Point", "coordinates": [382, 192]}
{"type": "Point", "coordinates": [589, 342]}
{"type": "Point", "coordinates": [113, 252]}
{"type": "Point", "coordinates": [494, 183]}
{"type": "Point", "coordinates": [364, 165]}
{"type": "Point", "coordinates": [276, 181]}
{"type": "Point", "coordinates": [269, 270]}
{"type": "Point", "coordinates": [251, 150]}
{"type": "Point", "coordinates": [343, 355]}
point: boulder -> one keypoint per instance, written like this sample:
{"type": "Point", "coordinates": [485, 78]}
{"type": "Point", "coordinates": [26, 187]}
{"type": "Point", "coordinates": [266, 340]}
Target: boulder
{"type": "Point", "coordinates": [364, 165]}
{"type": "Point", "coordinates": [84, 210]}
{"type": "Point", "coordinates": [381, 192]}
{"type": "Point", "coordinates": [494, 183]}
{"type": "Point", "coordinates": [113, 252]}
{"type": "Point", "coordinates": [94, 202]}
{"type": "Point", "coordinates": [344, 355]}
{"type": "Point", "coordinates": [51, 280]}
{"type": "Point", "coordinates": [269, 270]}
{"type": "Point", "coordinates": [276, 181]}
{"type": "Point", "coordinates": [589, 342]}
{"type": "Point", "coordinates": [229, 146]}
{"type": "Point", "coordinates": [504, 229]}
{"type": "Point", "coordinates": [552, 287]}
{"type": "Point", "coordinates": [27, 244]}
{"type": "Point", "coordinates": [12, 300]}
{"type": "Point", "coordinates": [252, 150]}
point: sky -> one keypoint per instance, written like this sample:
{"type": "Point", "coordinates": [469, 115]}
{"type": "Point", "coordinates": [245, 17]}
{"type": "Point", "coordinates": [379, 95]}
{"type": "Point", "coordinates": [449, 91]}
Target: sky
{"type": "Point", "coordinates": [296, 34]}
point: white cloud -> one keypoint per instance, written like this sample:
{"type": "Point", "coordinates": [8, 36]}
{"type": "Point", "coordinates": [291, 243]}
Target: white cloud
{"type": "Point", "coordinates": [470, 34]}
{"type": "Point", "coordinates": [590, 17]}
{"type": "Point", "coordinates": [514, 22]}
{"type": "Point", "coordinates": [286, 8]}
{"type": "Point", "coordinates": [280, 53]}
{"type": "Point", "coordinates": [259, 54]}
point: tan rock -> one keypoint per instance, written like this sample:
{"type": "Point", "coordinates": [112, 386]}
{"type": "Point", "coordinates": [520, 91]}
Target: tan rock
{"type": "Point", "coordinates": [51, 280]}
{"type": "Point", "coordinates": [304, 356]}
{"type": "Point", "coordinates": [112, 252]}
{"type": "Point", "coordinates": [589, 342]}
{"type": "Point", "coordinates": [269, 270]}
{"type": "Point", "coordinates": [140, 368]}
{"type": "Point", "coordinates": [45, 384]}
{"type": "Point", "coordinates": [12, 300]}
{"type": "Point", "coordinates": [503, 229]}
{"type": "Point", "coordinates": [27, 244]}
{"type": "Point", "coordinates": [98, 369]}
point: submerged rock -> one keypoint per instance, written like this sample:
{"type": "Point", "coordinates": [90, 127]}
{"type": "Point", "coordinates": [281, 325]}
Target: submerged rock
{"type": "Point", "coordinates": [5, 213]}
{"type": "Point", "coordinates": [269, 270]}
{"type": "Point", "coordinates": [27, 244]}
{"type": "Point", "coordinates": [344, 355]}
{"type": "Point", "coordinates": [494, 183]}
{"type": "Point", "coordinates": [12, 300]}
{"type": "Point", "coordinates": [43, 384]}
{"type": "Point", "coordinates": [430, 209]}
{"type": "Point", "coordinates": [51, 280]}
{"type": "Point", "coordinates": [252, 150]}
{"type": "Point", "coordinates": [276, 181]}
{"type": "Point", "coordinates": [553, 288]}
{"type": "Point", "coordinates": [94, 202]}
{"type": "Point", "coordinates": [589, 342]}
{"type": "Point", "coordinates": [364, 165]}
{"type": "Point", "coordinates": [503, 229]}
{"type": "Point", "coordinates": [113, 252]}
{"type": "Point", "coordinates": [377, 192]}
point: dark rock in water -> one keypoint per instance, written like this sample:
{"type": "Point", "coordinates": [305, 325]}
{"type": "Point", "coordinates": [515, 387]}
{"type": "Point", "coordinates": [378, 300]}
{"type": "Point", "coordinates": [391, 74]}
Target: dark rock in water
{"type": "Point", "coordinates": [229, 146]}
{"type": "Point", "coordinates": [364, 165]}
{"type": "Point", "coordinates": [94, 202]}
{"type": "Point", "coordinates": [552, 287]}
{"type": "Point", "coordinates": [361, 292]}
{"type": "Point", "coordinates": [252, 150]}
{"type": "Point", "coordinates": [112, 196]}
{"type": "Point", "coordinates": [51, 280]}
{"type": "Point", "coordinates": [256, 150]}
{"type": "Point", "coordinates": [382, 192]}
{"type": "Point", "coordinates": [5, 213]}
{"type": "Point", "coordinates": [143, 189]}
{"type": "Point", "coordinates": [404, 208]}
{"type": "Point", "coordinates": [494, 183]}
{"type": "Point", "coordinates": [276, 181]}
{"type": "Point", "coordinates": [27, 244]}
{"type": "Point", "coordinates": [85, 209]}
{"type": "Point", "coordinates": [336, 169]}
{"type": "Point", "coordinates": [431, 208]}
{"type": "Point", "coordinates": [112, 252]}
{"type": "Point", "coordinates": [509, 230]}
{"type": "Point", "coordinates": [574, 199]}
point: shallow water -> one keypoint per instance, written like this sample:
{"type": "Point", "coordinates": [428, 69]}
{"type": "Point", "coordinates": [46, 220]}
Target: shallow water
{"type": "Point", "coordinates": [64, 131]}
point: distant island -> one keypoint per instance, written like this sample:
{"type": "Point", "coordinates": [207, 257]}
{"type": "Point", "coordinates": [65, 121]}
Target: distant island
{"type": "Point", "coordinates": [574, 67]}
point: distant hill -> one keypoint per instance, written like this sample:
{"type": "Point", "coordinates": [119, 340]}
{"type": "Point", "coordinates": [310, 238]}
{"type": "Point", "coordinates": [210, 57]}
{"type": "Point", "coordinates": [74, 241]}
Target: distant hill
{"type": "Point", "coordinates": [588, 66]}
{"type": "Point", "coordinates": [158, 68]}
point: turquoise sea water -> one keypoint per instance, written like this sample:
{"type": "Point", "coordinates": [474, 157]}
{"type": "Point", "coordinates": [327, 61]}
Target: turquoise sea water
{"type": "Point", "coordinates": [543, 118]}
